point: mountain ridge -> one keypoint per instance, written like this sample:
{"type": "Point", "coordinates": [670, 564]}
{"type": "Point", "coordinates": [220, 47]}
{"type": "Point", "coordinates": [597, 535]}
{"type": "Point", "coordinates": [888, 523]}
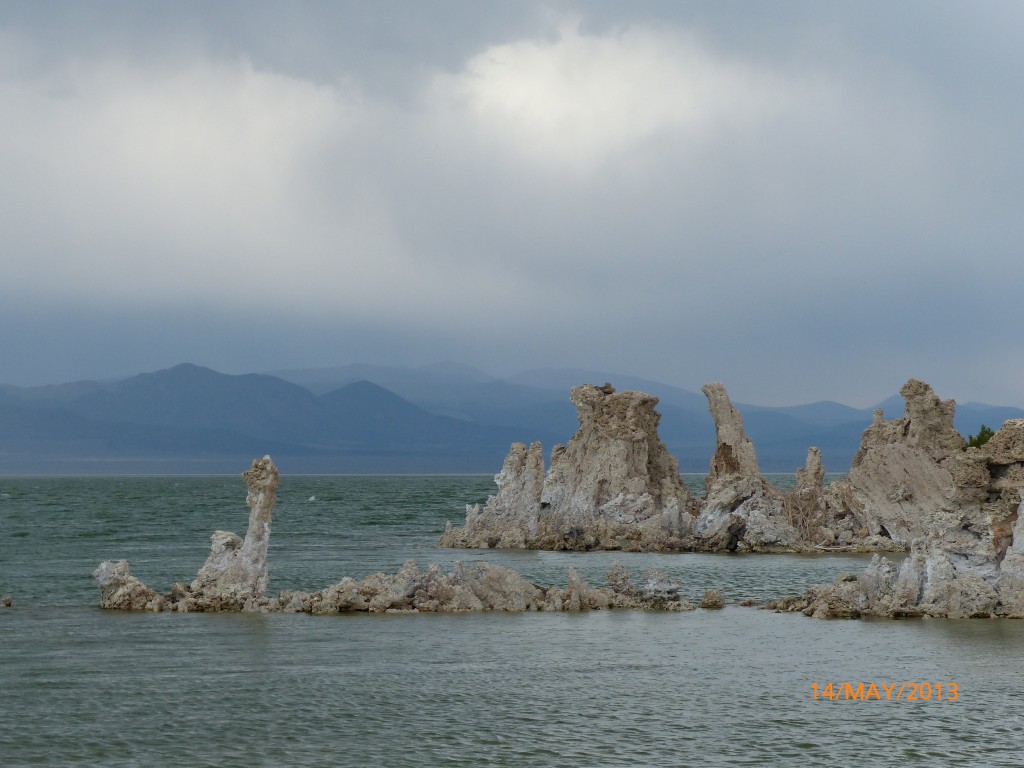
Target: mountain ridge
{"type": "Point", "coordinates": [445, 417]}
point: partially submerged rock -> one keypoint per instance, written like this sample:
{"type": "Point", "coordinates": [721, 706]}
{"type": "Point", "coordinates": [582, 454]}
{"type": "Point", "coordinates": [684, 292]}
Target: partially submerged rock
{"type": "Point", "coordinates": [234, 578]}
{"type": "Point", "coordinates": [234, 575]}
{"type": "Point", "coordinates": [480, 587]}
{"type": "Point", "coordinates": [236, 569]}
{"type": "Point", "coordinates": [713, 600]}
{"type": "Point", "coordinates": [613, 486]}
{"type": "Point", "coordinates": [122, 591]}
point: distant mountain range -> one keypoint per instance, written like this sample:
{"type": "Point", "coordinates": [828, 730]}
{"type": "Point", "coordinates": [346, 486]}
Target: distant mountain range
{"type": "Point", "coordinates": [378, 419]}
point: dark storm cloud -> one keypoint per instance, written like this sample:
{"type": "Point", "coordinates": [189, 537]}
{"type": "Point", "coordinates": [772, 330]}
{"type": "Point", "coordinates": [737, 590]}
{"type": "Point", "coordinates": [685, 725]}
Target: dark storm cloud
{"type": "Point", "coordinates": [806, 200]}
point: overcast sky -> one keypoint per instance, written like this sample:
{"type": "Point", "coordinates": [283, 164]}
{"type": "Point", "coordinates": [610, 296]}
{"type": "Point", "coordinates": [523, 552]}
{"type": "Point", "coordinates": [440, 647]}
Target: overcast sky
{"type": "Point", "coordinates": [805, 201]}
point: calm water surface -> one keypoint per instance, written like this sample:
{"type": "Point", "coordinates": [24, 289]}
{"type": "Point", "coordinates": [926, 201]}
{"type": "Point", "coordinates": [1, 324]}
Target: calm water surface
{"type": "Point", "coordinates": [80, 686]}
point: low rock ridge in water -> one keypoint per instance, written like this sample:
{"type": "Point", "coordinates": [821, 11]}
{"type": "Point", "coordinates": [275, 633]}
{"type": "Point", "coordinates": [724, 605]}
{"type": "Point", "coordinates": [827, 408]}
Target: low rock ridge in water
{"type": "Point", "coordinates": [235, 578]}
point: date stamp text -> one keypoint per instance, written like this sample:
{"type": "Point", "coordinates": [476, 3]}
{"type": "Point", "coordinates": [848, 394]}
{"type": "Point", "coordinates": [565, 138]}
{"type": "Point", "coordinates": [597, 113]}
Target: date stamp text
{"type": "Point", "coordinates": [885, 691]}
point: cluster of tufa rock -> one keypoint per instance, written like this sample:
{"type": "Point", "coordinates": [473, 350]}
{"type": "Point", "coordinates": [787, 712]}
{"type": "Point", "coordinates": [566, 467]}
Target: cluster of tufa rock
{"type": "Point", "coordinates": [235, 578]}
{"type": "Point", "coordinates": [915, 482]}
{"type": "Point", "coordinates": [615, 486]}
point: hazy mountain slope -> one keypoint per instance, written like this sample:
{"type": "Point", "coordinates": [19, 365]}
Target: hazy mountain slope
{"type": "Point", "coordinates": [189, 414]}
{"type": "Point", "coordinates": [188, 396]}
{"type": "Point", "coordinates": [446, 418]}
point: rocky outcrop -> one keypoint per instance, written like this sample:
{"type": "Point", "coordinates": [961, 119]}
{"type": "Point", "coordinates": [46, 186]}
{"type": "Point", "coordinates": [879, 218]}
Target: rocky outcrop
{"type": "Point", "coordinates": [511, 517]}
{"type": "Point", "coordinates": [962, 511]}
{"type": "Point", "coordinates": [235, 573]}
{"type": "Point", "coordinates": [613, 486]}
{"type": "Point", "coordinates": [234, 577]}
{"type": "Point", "coordinates": [734, 456]}
{"type": "Point", "coordinates": [236, 569]}
{"type": "Point", "coordinates": [806, 506]}
{"type": "Point", "coordinates": [122, 591]}
{"type": "Point", "coordinates": [741, 510]}
{"type": "Point", "coordinates": [713, 600]}
{"type": "Point", "coordinates": [481, 587]}
{"type": "Point", "coordinates": [901, 472]}
{"type": "Point", "coordinates": [899, 475]}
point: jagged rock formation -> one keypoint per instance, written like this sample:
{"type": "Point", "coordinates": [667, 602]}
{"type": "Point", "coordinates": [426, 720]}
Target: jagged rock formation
{"type": "Point", "coordinates": [959, 506]}
{"type": "Point", "coordinates": [236, 569]}
{"type": "Point", "coordinates": [613, 486]}
{"type": "Point", "coordinates": [512, 516]}
{"type": "Point", "coordinates": [741, 511]}
{"type": "Point", "coordinates": [827, 518]}
{"type": "Point", "coordinates": [234, 578]}
{"type": "Point", "coordinates": [235, 573]}
{"type": "Point", "coordinates": [120, 590]}
{"type": "Point", "coordinates": [901, 471]}
{"type": "Point", "coordinates": [734, 452]}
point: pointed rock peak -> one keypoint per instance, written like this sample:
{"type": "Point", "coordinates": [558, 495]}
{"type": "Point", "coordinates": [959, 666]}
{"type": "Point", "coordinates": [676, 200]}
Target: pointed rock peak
{"type": "Point", "coordinates": [734, 453]}
{"type": "Point", "coordinates": [811, 477]}
{"type": "Point", "coordinates": [930, 420]}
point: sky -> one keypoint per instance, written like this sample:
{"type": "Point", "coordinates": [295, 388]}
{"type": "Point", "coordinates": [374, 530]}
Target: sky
{"type": "Point", "coordinates": [803, 200]}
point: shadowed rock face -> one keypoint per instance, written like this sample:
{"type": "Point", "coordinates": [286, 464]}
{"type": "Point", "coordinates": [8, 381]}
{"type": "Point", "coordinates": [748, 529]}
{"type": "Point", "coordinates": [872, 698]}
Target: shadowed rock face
{"type": "Point", "coordinates": [614, 486]}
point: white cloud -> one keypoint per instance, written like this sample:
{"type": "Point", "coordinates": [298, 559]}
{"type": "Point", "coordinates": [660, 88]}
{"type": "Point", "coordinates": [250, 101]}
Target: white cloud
{"type": "Point", "coordinates": [155, 183]}
{"type": "Point", "coordinates": [580, 99]}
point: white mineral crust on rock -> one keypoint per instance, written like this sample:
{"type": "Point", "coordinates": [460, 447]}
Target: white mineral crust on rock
{"type": "Point", "coordinates": [236, 570]}
{"type": "Point", "coordinates": [480, 587]}
{"type": "Point", "coordinates": [613, 486]}
{"type": "Point", "coordinates": [234, 576]}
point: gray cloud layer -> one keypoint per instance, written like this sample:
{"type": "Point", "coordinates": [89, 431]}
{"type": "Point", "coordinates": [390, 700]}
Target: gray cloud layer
{"type": "Point", "coordinates": [805, 200]}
